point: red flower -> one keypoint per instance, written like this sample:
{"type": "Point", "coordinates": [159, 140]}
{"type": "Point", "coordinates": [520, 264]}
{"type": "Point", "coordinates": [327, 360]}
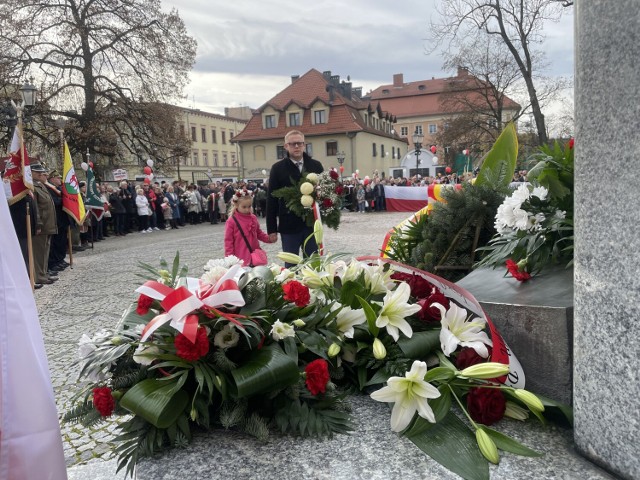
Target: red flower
{"type": "Point", "coordinates": [420, 287]}
{"type": "Point", "coordinates": [571, 143]}
{"type": "Point", "coordinates": [297, 293]}
{"type": "Point", "coordinates": [429, 313]}
{"type": "Point", "coordinates": [144, 303]}
{"type": "Point", "coordinates": [468, 357]}
{"type": "Point", "coordinates": [339, 190]}
{"type": "Point", "coordinates": [327, 203]}
{"type": "Point", "coordinates": [333, 174]}
{"type": "Point", "coordinates": [192, 351]}
{"type": "Point", "coordinates": [317, 376]}
{"type": "Point", "coordinates": [486, 405]}
{"type": "Point", "coordinates": [103, 401]}
{"type": "Point", "coordinates": [515, 272]}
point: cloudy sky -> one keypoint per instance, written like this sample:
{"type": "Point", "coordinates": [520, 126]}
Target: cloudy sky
{"type": "Point", "coordinates": [248, 50]}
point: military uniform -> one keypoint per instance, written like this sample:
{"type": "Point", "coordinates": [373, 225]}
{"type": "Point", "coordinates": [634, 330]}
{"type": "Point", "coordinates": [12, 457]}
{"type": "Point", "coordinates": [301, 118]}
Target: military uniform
{"type": "Point", "coordinates": [46, 225]}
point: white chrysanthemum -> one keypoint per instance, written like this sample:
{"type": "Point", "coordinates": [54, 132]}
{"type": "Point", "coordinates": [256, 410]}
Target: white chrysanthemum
{"type": "Point", "coordinates": [538, 220]}
{"type": "Point", "coordinates": [306, 200]}
{"type": "Point", "coordinates": [280, 330]}
{"type": "Point", "coordinates": [522, 221]}
{"type": "Point", "coordinates": [521, 194]}
{"type": "Point", "coordinates": [227, 337]}
{"type": "Point", "coordinates": [312, 177]}
{"type": "Point", "coordinates": [146, 354]}
{"type": "Point", "coordinates": [306, 188]}
{"type": "Point", "coordinates": [540, 192]}
{"type": "Point", "coordinates": [505, 216]}
{"type": "Point", "coordinates": [226, 262]}
{"type": "Point", "coordinates": [214, 274]}
{"type": "Point", "coordinates": [560, 214]}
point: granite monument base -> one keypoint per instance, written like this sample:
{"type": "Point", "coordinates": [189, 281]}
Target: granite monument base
{"type": "Point", "coordinates": [535, 318]}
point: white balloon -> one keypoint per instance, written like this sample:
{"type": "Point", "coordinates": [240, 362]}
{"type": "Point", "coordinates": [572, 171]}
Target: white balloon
{"type": "Point", "coordinates": [264, 172]}
{"type": "Point", "coordinates": [435, 160]}
{"type": "Point", "coordinates": [357, 172]}
{"type": "Point", "coordinates": [150, 176]}
{"type": "Point", "coordinates": [150, 163]}
{"type": "Point", "coordinates": [85, 166]}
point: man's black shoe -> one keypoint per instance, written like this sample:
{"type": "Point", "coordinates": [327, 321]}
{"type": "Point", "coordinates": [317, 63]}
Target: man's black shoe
{"type": "Point", "coordinates": [51, 273]}
{"type": "Point", "coordinates": [37, 286]}
{"type": "Point", "coordinates": [79, 248]}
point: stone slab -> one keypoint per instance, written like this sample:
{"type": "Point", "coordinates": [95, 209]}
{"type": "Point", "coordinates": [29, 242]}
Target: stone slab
{"type": "Point", "coordinates": [371, 452]}
{"type": "Point", "coordinates": [607, 246]}
{"type": "Point", "coordinates": [536, 320]}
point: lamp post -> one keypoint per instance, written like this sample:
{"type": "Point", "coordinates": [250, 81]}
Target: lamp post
{"type": "Point", "coordinates": [60, 123]}
{"type": "Point", "coordinates": [340, 157]}
{"type": "Point", "coordinates": [417, 145]}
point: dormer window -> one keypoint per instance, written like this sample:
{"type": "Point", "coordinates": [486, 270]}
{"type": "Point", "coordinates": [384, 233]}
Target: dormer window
{"type": "Point", "coordinates": [294, 119]}
{"type": "Point", "coordinates": [385, 91]}
{"type": "Point", "coordinates": [269, 121]}
{"type": "Point", "coordinates": [421, 87]}
{"type": "Point", "coordinates": [319, 116]}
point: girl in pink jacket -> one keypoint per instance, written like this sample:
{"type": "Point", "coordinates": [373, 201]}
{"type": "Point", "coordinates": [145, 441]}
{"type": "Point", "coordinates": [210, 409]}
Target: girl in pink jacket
{"type": "Point", "coordinates": [241, 216]}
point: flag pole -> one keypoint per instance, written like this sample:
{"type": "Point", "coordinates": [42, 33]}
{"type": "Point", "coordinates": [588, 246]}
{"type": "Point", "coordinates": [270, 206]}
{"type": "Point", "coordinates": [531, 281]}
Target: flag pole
{"type": "Point", "coordinates": [30, 248]}
{"type": "Point", "coordinates": [70, 246]}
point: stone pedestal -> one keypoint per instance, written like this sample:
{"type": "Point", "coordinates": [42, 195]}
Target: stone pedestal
{"type": "Point", "coordinates": [535, 318]}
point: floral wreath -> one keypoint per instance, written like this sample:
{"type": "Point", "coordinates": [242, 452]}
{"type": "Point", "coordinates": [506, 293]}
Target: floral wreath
{"type": "Point", "coordinates": [242, 193]}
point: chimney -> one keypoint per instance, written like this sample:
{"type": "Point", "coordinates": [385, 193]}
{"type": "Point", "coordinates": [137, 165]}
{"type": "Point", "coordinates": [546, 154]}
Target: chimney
{"type": "Point", "coordinates": [327, 74]}
{"type": "Point", "coordinates": [294, 78]}
{"type": "Point", "coordinates": [463, 71]}
{"type": "Point", "coordinates": [358, 92]}
{"type": "Point", "coordinates": [398, 80]}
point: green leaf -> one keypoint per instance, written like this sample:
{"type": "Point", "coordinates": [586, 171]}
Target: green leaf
{"type": "Point", "coordinates": [362, 377]}
{"type": "Point", "coordinates": [266, 370]}
{"type": "Point", "coordinates": [130, 319]}
{"type": "Point", "coordinates": [155, 401]}
{"type": "Point", "coordinates": [420, 344]}
{"type": "Point", "coordinates": [565, 409]}
{"type": "Point", "coordinates": [370, 314]}
{"type": "Point", "coordinates": [508, 444]}
{"type": "Point", "coordinates": [451, 444]}
{"type": "Point", "coordinates": [500, 163]}
{"type": "Point", "coordinates": [379, 377]}
{"type": "Point", "coordinates": [439, 374]}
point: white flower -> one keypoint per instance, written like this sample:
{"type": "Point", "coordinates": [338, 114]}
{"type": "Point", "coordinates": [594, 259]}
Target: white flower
{"type": "Point", "coordinates": [505, 217]}
{"type": "Point", "coordinates": [457, 331]}
{"type": "Point", "coordinates": [227, 337]}
{"type": "Point", "coordinates": [522, 221]}
{"type": "Point", "coordinates": [540, 192]}
{"type": "Point", "coordinates": [215, 273]}
{"type": "Point", "coordinates": [85, 346]}
{"type": "Point", "coordinates": [521, 194]}
{"type": "Point", "coordinates": [306, 188]}
{"type": "Point", "coordinates": [315, 279]}
{"type": "Point", "coordinates": [376, 279]}
{"type": "Point", "coordinates": [146, 354]}
{"type": "Point", "coordinates": [226, 262]}
{"type": "Point", "coordinates": [560, 214]}
{"type": "Point", "coordinates": [280, 331]}
{"type": "Point", "coordinates": [350, 272]}
{"type": "Point", "coordinates": [395, 308]}
{"type": "Point", "coordinates": [283, 275]}
{"type": "Point", "coordinates": [306, 200]}
{"type": "Point", "coordinates": [312, 177]}
{"type": "Point", "coordinates": [347, 318]}
{"type": "Point", "coordinates": [409, 394]}
{"type": "Point", "coordinates": [538, 220]}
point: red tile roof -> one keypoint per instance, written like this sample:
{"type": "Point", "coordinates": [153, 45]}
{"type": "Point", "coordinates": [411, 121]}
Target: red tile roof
{"type": "Point", "coordinates": [305, 91]}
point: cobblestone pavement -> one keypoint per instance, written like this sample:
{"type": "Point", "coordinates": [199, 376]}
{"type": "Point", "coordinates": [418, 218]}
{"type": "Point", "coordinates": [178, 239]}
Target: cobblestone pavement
{"type": "Point", "coordinates": [101, 284]}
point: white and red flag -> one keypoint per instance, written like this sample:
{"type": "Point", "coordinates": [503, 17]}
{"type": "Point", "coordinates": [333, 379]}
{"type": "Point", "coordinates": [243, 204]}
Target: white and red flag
{"type": "Point", "coordinates": [17, 172]}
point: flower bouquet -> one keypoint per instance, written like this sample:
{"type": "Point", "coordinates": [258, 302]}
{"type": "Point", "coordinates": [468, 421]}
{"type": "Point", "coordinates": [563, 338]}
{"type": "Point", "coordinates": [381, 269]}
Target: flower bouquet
{"type": "Point", "coordinates": [315, 196]}
{"type": "Point", "coordinates": [261, 348]}
{"type": "Point", "coordinates": [534, 224]}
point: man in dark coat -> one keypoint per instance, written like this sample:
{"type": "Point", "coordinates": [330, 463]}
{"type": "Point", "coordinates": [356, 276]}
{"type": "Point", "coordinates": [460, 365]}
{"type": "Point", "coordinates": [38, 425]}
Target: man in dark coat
{"type": "Point", "coordinates": [284, 173]}
{"type": "Point", "coordinates": [59, 241]}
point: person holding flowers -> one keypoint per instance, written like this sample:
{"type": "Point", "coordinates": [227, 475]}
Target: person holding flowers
{"type": "Point", "coordinates": [285, 173]}
{"type": "Point", "coordinates": [242, 233]}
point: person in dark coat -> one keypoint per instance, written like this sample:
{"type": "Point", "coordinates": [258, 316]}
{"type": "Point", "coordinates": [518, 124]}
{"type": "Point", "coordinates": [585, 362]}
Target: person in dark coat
{"type": "Point", "coordinates": [59, 241]}
{"type": "Point", "coordinates": [292, 228]}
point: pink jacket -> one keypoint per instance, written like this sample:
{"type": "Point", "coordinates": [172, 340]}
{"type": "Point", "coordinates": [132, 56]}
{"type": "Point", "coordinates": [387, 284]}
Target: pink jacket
{"type": "Point", "coordinates": [234, 244]}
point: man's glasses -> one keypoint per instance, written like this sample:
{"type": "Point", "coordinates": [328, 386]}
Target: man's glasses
{"type": "Point", "coordinates": [296, 144]}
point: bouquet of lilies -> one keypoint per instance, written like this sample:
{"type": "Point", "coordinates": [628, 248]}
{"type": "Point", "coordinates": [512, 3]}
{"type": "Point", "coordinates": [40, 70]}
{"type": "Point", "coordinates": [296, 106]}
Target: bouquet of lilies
{"type": "Point", "coordinates": [267, 347]}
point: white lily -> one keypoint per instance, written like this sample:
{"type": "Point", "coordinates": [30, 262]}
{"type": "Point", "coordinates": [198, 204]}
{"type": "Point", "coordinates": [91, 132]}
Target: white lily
{"type": "Point", "coordinates": [351, 271]}
{"type": "Point", "coordinates": [348, 318]}
{"type": "Point", "coordinates": [280, 330]}
{"type": "Point", "coordinates": [376, 279]}
{"type": "Point", "coordinates": [315, 279]}
{"type": "Point", "coordinates": [409, 394]}
{"type": "Point", "coordinates": [457, 331]}
{"type": "Point", "coordinates": [283, 275]}
{"type": "Point", "coordinates": [395, 308]}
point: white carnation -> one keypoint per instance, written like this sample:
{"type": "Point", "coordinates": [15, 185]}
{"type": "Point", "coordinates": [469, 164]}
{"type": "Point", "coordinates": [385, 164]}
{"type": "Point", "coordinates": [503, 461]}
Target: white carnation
{"type": "Point", "coordinates": [540, 192]}
{"type": "Point", "coordinates": [214, 274]}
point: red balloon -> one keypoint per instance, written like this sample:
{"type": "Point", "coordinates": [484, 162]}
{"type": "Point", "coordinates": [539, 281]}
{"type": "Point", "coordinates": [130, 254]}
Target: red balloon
{"type": "Point", "coordinates": [433, 149]}
{"type": "Point", "coordinates": [146, 170]}
{"type": "Point", "coordinates": [147, 181]}
{"type": "Point", "coordinates": [341, 169]}
{"type": "Point", "coordinates": [91, 164]}
{"type": "Point", "coordinates": [447, 170]}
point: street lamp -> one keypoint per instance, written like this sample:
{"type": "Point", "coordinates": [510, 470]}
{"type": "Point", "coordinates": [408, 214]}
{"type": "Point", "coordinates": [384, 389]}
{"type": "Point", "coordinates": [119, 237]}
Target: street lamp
{"type": "Point", "coordinates": [340, 157]}
{"type": "Point", "coordinates": [417, 145]}
{"type": "Point", "coordinates": [28, 93]}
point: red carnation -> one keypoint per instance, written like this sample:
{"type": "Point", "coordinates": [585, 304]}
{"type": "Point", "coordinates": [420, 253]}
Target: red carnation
{"type": "Point", "coordinates": [317, 376]}
{"type": "Point", "coordinates": [468, 357]}
{"type": "Point", "coordinates": [103, 401]}
{"type": "Point", "coordinates": [297, 293]}
{"type": "Point", "coordinates": [327, 203]}
{"type": "Point", "coordinates": [571, 143]}
{"type": "Point", "coordinates": [515, 272]}
{"type": "Point", "coordinates": [401, 276]}
{"type": "Point", "coordinates": [339, 190]}
{"type": "Point", "coordinates": [486, 405]}
{"type": "Point", "coordinates": [144, 304]}
{"type": "Point", "coordinates": [429, 313]}
{"type": "Point", "coordinates": [192, 351]}
{"type": "Point", "coordinates": [333, 174]}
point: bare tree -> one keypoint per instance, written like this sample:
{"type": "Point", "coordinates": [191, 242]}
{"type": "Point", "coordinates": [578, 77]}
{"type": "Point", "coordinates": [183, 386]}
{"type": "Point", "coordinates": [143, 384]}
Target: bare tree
{"type": "Point", "coordinates": [517, 23]}
{"type": "Point", "coordinates": [110, 67]}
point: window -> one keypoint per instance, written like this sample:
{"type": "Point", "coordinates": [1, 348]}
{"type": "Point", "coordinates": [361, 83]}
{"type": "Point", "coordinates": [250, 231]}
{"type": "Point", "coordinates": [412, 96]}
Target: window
{"type": "Point", "coordinates": [203, 134]}
{"type": "Point", "coordinates": [269, 121]}
{"type": "Point", "coordinates": [404, 131]}
{"type": "Point", "coordinates": [332, 149]}
{"type": "Point", "coordinates": [214, 138]}
{"type": "Point", "coordinates": [280, 152]}
{"type": "Point", "coordinates": [419, 129]}
{"type": "Point", "coordinates": [375, 151]}
{"type": "Point", "coordinates": [224, 160]}
{"type": "Point", "coordinates": [234, 162]}
{"type": "Point", "coordinates": [320, 116]}
{"type": "Point", "coordinates": [309, 149]}
{"type": "Point", "coordinates": [381, 151]}
{"type": "Point", "coordinates": [195, 156]}
{"type": "Point", "coordinates": [193, 134]}
{"type": "Point", "coordinates": [294, 119]}
{"type": "Point", "coordinates": [366, 119]}
{"type": "Point", "coordinates": [393, 152]}
{"type": "Point", "coordinates": [205, 158]}
{"type": "Point", "coordinates": [224, 136]}
{"type": "Point", "coordinates": [215, 159]}
{"type": "Point", "coordinates": [433, 129]}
